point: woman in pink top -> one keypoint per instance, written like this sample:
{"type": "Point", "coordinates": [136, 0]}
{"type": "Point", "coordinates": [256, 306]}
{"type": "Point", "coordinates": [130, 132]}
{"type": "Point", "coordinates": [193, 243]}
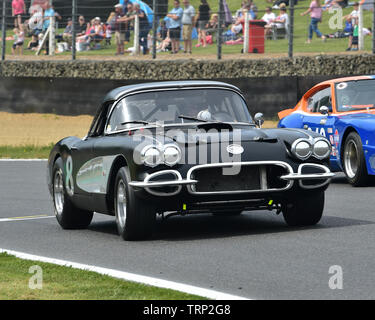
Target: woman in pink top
{"type": "Point", "coordinates": [315, 11]}
{"type": "Point", "coordinates": [18, 9]}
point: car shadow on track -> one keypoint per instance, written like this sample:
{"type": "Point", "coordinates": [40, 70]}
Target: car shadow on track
{"type": "Point", "coordinates": [340, 179]}
{"type": "Point", "coordinates": [198, 227]}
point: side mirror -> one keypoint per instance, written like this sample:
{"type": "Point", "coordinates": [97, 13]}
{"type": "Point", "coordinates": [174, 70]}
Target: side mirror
{"type": "Point", "coordinates": [324, 110]}
{"type": "Point", "coordinates": [259, 119]}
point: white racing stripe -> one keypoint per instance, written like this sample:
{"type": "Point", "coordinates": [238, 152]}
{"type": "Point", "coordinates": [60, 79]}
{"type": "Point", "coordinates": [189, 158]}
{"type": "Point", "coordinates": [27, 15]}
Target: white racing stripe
{"type": "Point", "coordinates": [207, 293]}
{"type": "Point", "coordinates": [25, 218]}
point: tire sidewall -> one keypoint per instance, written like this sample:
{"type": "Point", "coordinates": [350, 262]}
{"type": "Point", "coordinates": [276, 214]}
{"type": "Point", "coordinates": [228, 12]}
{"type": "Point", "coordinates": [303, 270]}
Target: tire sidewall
{"type": "Point", "coordinates": [122, 176]}
{"type": "Point", "coordinates": [361, 174]}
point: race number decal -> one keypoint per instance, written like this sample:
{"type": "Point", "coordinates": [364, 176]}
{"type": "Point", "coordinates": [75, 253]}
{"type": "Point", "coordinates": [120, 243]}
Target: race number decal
{"type": "Point", "coordinates": [69, 183]}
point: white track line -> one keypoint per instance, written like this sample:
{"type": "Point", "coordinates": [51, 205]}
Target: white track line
{"type": "Point", "coordinates": [207, 293]}
{"type": "Point", "coordinates": [25, 218]}
{"type": "Point", "coordinates": [23, 160]}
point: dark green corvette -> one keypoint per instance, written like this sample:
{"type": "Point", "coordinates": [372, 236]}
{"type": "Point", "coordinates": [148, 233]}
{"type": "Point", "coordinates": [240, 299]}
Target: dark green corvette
{"type": "Point", "coordinates": [181, 148]}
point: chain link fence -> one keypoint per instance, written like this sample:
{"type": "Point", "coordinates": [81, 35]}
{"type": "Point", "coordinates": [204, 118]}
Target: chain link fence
{"type": "Point", "coordinates": [75, 29]}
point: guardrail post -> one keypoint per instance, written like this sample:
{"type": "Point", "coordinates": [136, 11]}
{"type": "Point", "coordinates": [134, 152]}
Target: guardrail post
{"type": "Point", "coordinates": [360, 28]}
{"type": "Point", "coordinates": [136, 35]}
{"type": "Point", "coordinates": [219, 31]}
{"type": "Point", "coordinates": [291, 29]}
{"type": "Point", "coordinates": [74, 32]}
{"type": "Point", "coordinates": [246, 33]}
{"type": "Point", "coordinates": [3, 31]}
{"type": "Point", "coordinates": [51, 36]}
{"type": "Point", "coordinates": [154, 30]}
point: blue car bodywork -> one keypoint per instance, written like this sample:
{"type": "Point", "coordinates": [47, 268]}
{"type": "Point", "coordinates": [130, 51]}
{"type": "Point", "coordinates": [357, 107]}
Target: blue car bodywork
{"type": "Point", "coordinates": [335, 125]}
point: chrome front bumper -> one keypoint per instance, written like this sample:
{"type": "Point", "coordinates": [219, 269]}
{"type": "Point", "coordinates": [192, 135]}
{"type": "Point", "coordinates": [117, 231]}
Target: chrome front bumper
{"type": "Point", "coordinates": [291, 177]}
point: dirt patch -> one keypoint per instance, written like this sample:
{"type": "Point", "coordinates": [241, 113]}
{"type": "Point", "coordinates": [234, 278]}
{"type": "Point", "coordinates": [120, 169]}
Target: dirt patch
{"type": "Point", "coordinates": [40, 129]}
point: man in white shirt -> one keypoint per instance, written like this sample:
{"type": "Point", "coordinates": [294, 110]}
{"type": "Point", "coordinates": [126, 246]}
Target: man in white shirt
{"type": "Point", "coordinates": [269, 16]}
{"type": "Point", "coordinates": [36, 22]}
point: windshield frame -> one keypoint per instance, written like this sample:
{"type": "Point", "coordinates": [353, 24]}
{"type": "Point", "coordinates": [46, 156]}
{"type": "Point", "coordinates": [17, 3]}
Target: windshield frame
{"type": "Point", "coordinates": [156, 124]}
{"type": "Point", "coordinates": [356, 110]}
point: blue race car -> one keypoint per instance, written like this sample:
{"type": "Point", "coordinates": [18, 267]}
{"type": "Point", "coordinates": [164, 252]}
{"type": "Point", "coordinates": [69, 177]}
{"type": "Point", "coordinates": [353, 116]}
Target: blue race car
{"type": "Point", "coordinates": [343, 111]}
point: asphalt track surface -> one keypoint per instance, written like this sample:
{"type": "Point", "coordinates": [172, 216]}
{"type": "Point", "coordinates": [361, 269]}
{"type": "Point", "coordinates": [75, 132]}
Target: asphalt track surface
{"type": "Point", "coordinates": [254, 255]}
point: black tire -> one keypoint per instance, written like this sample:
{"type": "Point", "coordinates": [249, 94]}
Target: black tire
{"type": "Point", "coordinates": [140, 217]}
{"type": "Point", "coordinates": [67, 214]}
{"type": "Point", "coordinates": [306, 210]}
{"type": "Point", "coordinates": [354, 162]}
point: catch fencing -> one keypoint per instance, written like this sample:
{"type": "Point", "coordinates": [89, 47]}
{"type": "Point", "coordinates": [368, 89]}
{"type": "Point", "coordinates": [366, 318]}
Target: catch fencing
{"type": "Point", "coordinates": [229, 32]}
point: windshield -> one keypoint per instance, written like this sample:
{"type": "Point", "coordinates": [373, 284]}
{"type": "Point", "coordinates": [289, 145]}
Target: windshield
{"type": "Point", "coordinates": [355, 95]}
{"type": "Point", "coordinates": [175, 106]}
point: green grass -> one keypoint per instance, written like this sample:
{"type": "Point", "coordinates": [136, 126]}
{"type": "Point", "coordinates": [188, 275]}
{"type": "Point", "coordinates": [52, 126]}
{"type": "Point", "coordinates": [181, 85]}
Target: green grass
{"type": "Point", "coordinates": [271, 46]}
{"type": "Point", "coordinates": [62, 283]}
{"type": "Point", "coordinates": [25, 152]}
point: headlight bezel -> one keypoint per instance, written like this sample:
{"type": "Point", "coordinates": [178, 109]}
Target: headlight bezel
{"type": "Point", "coordinates": [144, 156]}
{"type": "Point", "coordinates": [294, 148]}
{"type": "Point", "coordinates": [179, 154]}
{"type": "Point", "coordinates": [312, 145]}
{"type": "Point", "coordinates": [161, 157]}
{"type": "Point", "coordinates": [329, 148]}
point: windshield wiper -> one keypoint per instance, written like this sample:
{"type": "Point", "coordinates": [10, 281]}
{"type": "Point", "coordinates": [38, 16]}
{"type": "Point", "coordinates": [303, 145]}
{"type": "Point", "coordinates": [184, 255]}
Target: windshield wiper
{"type": "Point", "coordinates": [134, 122]}
{"type": "Point", "coordinates": [191, 118]}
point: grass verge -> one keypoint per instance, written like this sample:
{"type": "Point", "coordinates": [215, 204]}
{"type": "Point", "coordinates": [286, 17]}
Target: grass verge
{"type": "Point", "coordinates": [62, 283]}
{"type": "Point", "coordinates": [25, 152]}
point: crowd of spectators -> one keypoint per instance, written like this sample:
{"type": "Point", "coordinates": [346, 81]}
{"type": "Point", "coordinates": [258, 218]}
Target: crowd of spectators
{"type": "Point", "coordinates": [182, 22]}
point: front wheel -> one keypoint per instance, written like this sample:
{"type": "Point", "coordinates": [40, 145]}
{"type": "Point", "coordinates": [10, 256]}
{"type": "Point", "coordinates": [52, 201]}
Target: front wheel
{"type": "Point", "coordinates": [67, 214]}
{"type": "Point", "coordinates": [354, 162]}
{"type": "Point", "coordinates": [305, 210]}
{"type": "Point", "coordinates": [135, 219]}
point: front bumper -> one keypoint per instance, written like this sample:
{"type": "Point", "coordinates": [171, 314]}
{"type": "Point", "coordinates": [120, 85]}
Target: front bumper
{"type": "Point", "coordinates": [175, 185]}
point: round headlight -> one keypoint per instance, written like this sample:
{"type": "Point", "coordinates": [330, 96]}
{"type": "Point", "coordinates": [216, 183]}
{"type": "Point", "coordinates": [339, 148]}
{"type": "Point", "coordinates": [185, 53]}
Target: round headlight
{"type": "Point", "coordinates": [172, 155]}
{"type": "Point", "coordinates": [302, 149]}
{"type": "Point", "coordinates": [322, 149]}
{"type": "Point", "coordinates": [151, 156]}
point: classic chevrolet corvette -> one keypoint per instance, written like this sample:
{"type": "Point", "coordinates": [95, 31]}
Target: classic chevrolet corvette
{"type": "Point", "coordinates": [343, 111]}
{"type": "Point", "coordinates": [177, 148]}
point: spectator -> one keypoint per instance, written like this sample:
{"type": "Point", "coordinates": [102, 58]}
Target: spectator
{"type": "Point", "coordinates": [282, 20]}
{"type": "Point", "coordinates": [315, 12]}
{"type": "Point", "coordinates": [163, 38]}
{"type": "Point", "coordinates": [97, 32]}
{"type": "Point", "coordinates": [82, 26]}
{"type": "Point", "coordinates": [35, 23]}
{"type": "Point", "coordinates": [33, 43]}
{"type": "Point", "coordinates": [213, 24]}
{"type": "Point", "coordinates": [354, 43]}
{"type": "Point", "coordinates": [144, 25]}
{"type": "Point", "coordinates": [350, 22]}
{"type": "Point", "coordinates": [175, 17]}
{"type": "Point", "coordinates": [187, 22]}
{"type": "Point", "coordinates": [268, 17]}
{"type": "Point", "coordinates": [19, 38]}
{"type": "Point", "coordinates": [49, 12]}
{"type": "Point", "coordinates": [68, 33]}
{"type": "Point", "coordinates": [129, 25]}
{"type": "Point", "coordinates": [202, 19]}
{"type": "Point", "coordinates": [119, 29]}
{"type": "Point", "coordinates": [18, 9]}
